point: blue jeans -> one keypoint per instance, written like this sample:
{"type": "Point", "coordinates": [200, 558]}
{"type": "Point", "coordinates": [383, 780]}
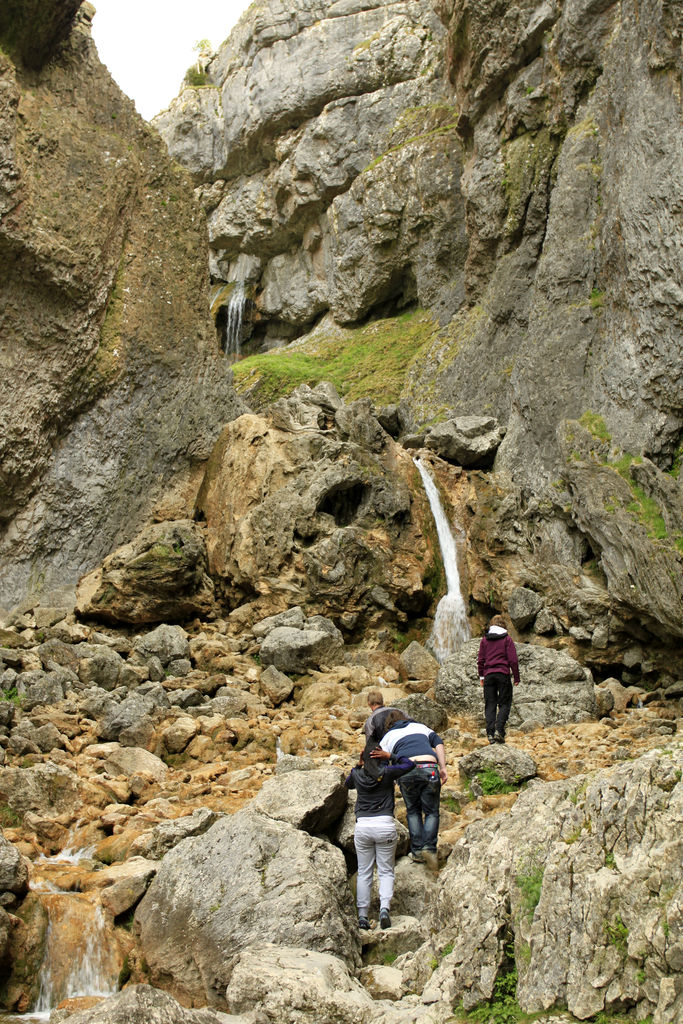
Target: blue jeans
{"type": "Point", "coordinates": [421, 790]}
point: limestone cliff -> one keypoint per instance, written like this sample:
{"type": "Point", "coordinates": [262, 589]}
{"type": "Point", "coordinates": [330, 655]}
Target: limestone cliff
{"type": "Point", "coordinates": [112, 382]}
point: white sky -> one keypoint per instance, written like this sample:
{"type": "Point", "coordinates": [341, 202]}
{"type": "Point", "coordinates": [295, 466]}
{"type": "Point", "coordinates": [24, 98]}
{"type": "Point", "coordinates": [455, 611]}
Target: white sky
{"type": "Point", "coordinates": [148, 45]}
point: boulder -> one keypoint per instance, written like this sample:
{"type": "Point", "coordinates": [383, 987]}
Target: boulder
{"type": "Point", "coordinates": [165, 643]}
{"type": "Point", "coordinates": [417, 663]}
{"type": "Point", "coordinates": [312, 801]}
{"type": "Point", "coordinates": [294, 618]}
{"type": "Point", "coordinates": [163, 837]}
{"type": "Point", "coordinates": [301, 986]}
{"type": "Point", "coordinates": [554, 687]}
{"type": "Point", "coordinates": [296, 650]}
{"type": "Point", "coordinates": [423, 709]}
{"type": "Point", "coordinates": [130, 713]}
{"type": "Point", "coordinates": [102, 669]}
{"type": "Point", "coordinates": [308, 514]}
{"type": "Point", "coordinates": [221, 892]}
{"type": "Point", "coordinates": [125, 884]}
{"type": "Point", "coordinates": [160, 576]}
{"type": "Point", "coordinates": [45, 789]}
{"type": "Point", "coordinates": [275, 685]}
{"type": "Point", "coordinates": [586, 874]}
{"type": "Point", "coordinates": [176, 736]}
{"type": "Point", "coordinates": [13, 869]}
{"type": "Point", "coordinates": [523, 606]}
{"type": "Point", "coordinates": [466, 440]}
{"type": "Point", "coordinates": [511, 765]}
{"type": "Point", "coordinates": [128, 761]}
{"type": "Point", "coordinates": [37, 687]}
{"type": "Point", "coordinates": [141, 1004]}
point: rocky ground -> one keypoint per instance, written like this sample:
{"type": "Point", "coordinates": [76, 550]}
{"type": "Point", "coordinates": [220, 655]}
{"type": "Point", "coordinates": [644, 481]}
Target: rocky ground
{"type": "Point", "coordinates": [119, 745]}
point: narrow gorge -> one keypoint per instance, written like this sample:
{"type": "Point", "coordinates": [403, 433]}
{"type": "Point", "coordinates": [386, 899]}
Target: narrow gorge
{"type": "Point", "coordinates": [374, 333]}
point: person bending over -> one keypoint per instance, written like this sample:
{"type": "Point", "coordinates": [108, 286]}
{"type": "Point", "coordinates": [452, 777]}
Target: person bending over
{"type": "Point", "coordinates": [375, 834]}
{"type": "Point", "coordinates": [421, 789]}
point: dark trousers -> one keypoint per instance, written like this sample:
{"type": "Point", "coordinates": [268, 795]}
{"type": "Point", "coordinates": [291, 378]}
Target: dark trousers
{"type": "Point", "coordinates": [497, 702]}
{"type": "Point", "coordinates": [421, 790]}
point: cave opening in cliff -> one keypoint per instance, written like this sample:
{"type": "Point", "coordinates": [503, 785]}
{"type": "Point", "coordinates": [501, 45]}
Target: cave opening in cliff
{"type": "Point", "coordinates": [343, 501]}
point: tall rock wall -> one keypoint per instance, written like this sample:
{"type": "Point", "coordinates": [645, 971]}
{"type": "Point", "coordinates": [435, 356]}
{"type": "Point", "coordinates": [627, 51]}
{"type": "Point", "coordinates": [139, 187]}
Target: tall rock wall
{"type": "Point", "coordinates": [112, 383]}
{"type": "Point", "coordinates": [323, 144]}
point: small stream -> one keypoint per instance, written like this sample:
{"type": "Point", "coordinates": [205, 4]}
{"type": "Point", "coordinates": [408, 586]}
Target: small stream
{"type": "Point", "coordinates": [450, 629]}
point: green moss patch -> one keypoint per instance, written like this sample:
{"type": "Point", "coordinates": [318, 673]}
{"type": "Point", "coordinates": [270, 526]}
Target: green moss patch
{"type": "Point", "coordinates": [365, 362]}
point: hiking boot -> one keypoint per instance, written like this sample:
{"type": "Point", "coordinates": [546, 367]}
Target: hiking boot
{"type": "Point", "coordinates": [417, 858]}
{"type": "Point", "coordinates": [363, 923]}
{"type": "Point", "coordinates": [384, 919]}
{"type": "Point", "coordinates": [490, 737]}
{"type": "Point", "coordinates": [499, 738]}
{"type": "Point", "coordinates": [431, 860]}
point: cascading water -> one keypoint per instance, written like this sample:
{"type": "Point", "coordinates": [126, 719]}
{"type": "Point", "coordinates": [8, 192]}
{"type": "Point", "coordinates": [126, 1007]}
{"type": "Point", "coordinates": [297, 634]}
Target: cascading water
{"type": "Point", "coordinates": [232, 344]}
{"type": "Point", "coordinates": [450, 628]}
{"type": "Point", "coordinates": [80, 957]}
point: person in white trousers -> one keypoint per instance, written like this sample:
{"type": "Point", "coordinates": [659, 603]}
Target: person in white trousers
{"type": "Point", "coordinates": [375, 834]}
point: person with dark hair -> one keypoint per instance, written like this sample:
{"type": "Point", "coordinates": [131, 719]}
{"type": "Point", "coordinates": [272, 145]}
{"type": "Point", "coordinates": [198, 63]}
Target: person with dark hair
{"type": "Point", "coordinates": [421, 789]}
{"type": "Point", "coordinates": [375, 834]}
{"type": "Point", "coordinates": [496, 660]}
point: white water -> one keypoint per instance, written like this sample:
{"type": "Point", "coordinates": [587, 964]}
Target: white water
{"type": "Point", "coordinates": [85, 969]}
{"type": "Point", "coordinates": [451, 628]}
{"type": "Point", "coordinates": [232, 345]}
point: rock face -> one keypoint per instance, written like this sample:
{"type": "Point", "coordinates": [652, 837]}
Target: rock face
{"type": "Point", "coordinates": [586, 879]}
{"type": "Point", "coordinates": [312, 505]}
{"type": "Point", "coordinates": [333, 190]}
{"type": "Point", "coordinates": [248, 876]}
{"type": "Point", "coordinates": [113, 386]}
{"type": "Point", "coordinates": [553, 688]}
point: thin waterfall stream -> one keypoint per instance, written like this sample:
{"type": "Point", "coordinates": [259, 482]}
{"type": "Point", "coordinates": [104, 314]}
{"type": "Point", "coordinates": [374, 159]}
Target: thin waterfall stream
{"type": "Point", "coordinates": [450, 628]}
{"type": "Point", "coordinates": [232, 345]}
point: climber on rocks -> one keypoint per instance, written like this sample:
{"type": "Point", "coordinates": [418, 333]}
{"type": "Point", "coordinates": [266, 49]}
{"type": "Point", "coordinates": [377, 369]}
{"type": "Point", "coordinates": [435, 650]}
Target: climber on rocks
{"type": "Point", "coordinates": [497, 659]}
{"type": "Point", "coordinates": [421, 789]}
{"type": "Point", "coordinates": [375, 724]}
{"type": "Point", "coordinates": [375, 834]}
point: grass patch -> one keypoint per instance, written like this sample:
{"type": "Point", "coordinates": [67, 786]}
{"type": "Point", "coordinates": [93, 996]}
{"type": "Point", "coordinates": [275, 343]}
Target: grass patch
{"type": "Point", "coordinates": [502, 1008]}
{"type": "Point", "coordinates": [492, 784]}
{"type": "Point", "coordinates": [9, 817]}
{"type": "Point", "coordinates": [530, 882]}
{"type": "Point", "coordinates": [595, 425]}
{"type": "Point", "coordinates": [366, 362]}
{"type": "Point", "coordinates": [11, 696]}
{"type": "Point", "coordinates": [617, 934]}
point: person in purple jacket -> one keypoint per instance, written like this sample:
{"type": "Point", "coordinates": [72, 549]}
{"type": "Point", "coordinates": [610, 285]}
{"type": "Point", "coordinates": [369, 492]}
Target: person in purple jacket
{"type": "Point", "coordinates": [497, 659]}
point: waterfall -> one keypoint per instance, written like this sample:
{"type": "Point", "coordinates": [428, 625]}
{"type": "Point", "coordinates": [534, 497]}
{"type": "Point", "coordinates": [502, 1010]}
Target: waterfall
{"type": "Point", "coordinates": [80, 957]}
{"type": "Point", "coordinates": [233, 323]}
{"type": "Point", "coordinates": [450, 628]}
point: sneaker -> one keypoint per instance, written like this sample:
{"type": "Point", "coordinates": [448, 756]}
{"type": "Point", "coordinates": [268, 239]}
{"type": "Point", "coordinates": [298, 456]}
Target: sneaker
{"type": "Point", "coordinates": [498, 738]}
{"type": "Point", "coordinates": [363, 923]}
{"type": "Point", "coordinates": [431, 860]}
{"type": "Point", "coordinates": [490, 737]}
{"type": "Point", "coordinates": [384, 919]}
{"type": "Point", "coordinates": [417, 858]}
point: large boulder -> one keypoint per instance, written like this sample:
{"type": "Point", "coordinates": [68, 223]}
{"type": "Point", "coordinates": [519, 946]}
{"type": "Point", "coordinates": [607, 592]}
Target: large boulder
{"type": "Point", "coordinates": [585, 877]}
{"type": "Point", "coordinates": [467, 440]}
{"type": "Point", "coordinates": [299, 514]}
{"type": "Point", "coordinates": [247, 877]}
{"type": "Point", "coordinates": [160, 576]}
{"type": "Point", "coordinates": [13, 870]}
{"type": "Point", "coordinates": [554, 688]}
{"type": "Point", "coordinates": [141, 1004]}
{"type": "Point", "coordinates": [296, 650]}
{"type": "Point", "coordinates": [300, 986]}
{"type": "Point", "coordinates": [114, 386]}
{"type": "Point", "coordinates": [312, 801]}
{"type": "Point", "coordinates": [43, 789]}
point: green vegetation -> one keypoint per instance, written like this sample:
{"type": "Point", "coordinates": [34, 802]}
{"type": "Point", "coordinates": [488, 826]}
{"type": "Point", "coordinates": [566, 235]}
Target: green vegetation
{"type": "Point", "coordinates": [610, 862]}
{"type": "Point", "coordinates": [503, 1007]}
{"type": "Point", "coordinates": [369, 361]}
{"type": "Point", "coordinates": [617, 934]}
{"type": "Point", "coordinates": [597, 299]}
{"type": "Point", "coordinates": [595, 425]}
{"type": "Point", "coordinates": [9, 817]}
{"type": "Point", "coordinates": [389, 958]}
{"type": "Point", "coordinates": [491, 782]}
{"type": "Point", "coordinates": [195, 77]}
{"type": "Point", "coordinates": [530, 882]}
{"type": "Point", "coordinates": [11, 696]}
{"type": "Point", "coordinates": [417, 124]}
{"type": "Point", "coordinates": [125, 972]}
